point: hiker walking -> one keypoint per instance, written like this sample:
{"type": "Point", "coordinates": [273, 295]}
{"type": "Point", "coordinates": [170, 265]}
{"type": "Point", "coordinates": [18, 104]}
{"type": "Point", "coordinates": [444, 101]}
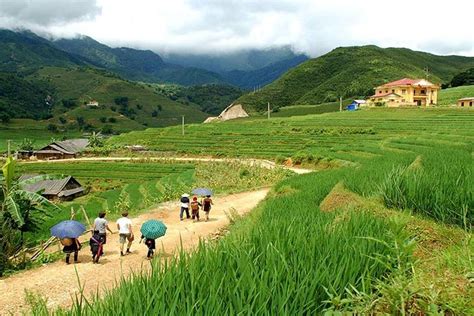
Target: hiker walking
{"type": "Point", "coordinates": [207, 202]}
{"type": "Point", "coordinates": [184, 206]}
{"type": "Point", "coordinates": [96, 246]}
{"type": "Point", "coordinates": [151, 244]}
{"type": "Point", "coordinates": [195, 209]}
{"type": "Point", "coordinates": [71, 245]}
{"type": "Point", "coordinates": [124, 226]}
{"type": "Point", "coordinates": [101, 225]}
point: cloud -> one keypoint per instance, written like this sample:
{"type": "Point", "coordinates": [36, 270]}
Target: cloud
{"type": "Point", "coordinates": [220, 26]}
{"type": "Point", "coordinates": [44, 13]}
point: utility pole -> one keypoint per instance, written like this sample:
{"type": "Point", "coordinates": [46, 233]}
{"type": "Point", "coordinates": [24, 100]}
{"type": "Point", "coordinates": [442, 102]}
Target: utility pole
{"type": "Point", "coordinates": [340, 104]}
{"type": "Point", "coordinates": [8, 147]}
{"type": "Point", "coordinates": [182, 124]}
{"type": "Point", "coordinates": [268, 110]}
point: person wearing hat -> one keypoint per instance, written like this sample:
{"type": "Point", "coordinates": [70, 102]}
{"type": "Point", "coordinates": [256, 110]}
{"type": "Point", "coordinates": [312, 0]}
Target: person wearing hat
{"type": "Point", "coordinates": [184, 206]}
{"type": "Point", "coordinates": [195, 208]}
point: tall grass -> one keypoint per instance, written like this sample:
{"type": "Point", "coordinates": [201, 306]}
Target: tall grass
{"type": "Point", "coordinates": [287, 258]}
{"type": "Point", "coordinates": [442, 187]}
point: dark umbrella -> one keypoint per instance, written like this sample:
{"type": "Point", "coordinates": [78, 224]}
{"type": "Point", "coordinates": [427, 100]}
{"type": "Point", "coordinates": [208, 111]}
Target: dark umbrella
{"type": "Point", "coordinates": [68, 229]}
{"type": "Point", "coordinates": [202, 192]}
{"type": "Point", "coordinates": [153, 229]}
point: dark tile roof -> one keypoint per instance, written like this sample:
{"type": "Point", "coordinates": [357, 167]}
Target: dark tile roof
{"type": "Point", "coordinates": [47, 187]}
{"type": "Point", "coordinates": [70, 146]}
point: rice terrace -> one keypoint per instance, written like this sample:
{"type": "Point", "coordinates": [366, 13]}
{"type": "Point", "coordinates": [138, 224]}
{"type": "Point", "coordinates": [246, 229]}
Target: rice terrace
{"type": "Point", "coordinates": [192, 177]}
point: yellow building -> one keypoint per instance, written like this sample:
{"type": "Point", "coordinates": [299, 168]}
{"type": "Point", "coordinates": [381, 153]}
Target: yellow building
{"type": "Point", "coordinates": [417, 92]}
{"type": "Point", "coordinates": [466, 102]}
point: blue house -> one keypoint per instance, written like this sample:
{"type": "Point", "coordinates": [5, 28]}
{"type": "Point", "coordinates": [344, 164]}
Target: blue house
{"type": "Point", "coordinates": [355, 105]}
{"type": "Point", "coordinates": [352, 107]}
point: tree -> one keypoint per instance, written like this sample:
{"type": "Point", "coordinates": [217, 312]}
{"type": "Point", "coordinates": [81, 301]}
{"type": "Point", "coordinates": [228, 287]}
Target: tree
{"type": "Point", "coordinates": [112, 120]}
{"type": "Point", "coordinates": [121, 101]}
{"type": "Point", "coordinates": [26, 144]}
{"type": "Point", "coordinates": [154, 113]}
{"type": "Point", "coordinates": [5, 118]}
{"type": "Point", "coordinates": [52, 127]}
{"type": "Point", "coordinates": [96, 140]}
{"type": "Point", "coordinates": [62, 120]}
{"type": "Point", "coordinates": [103, 119]}
{"type": "Point", "coordinates": [21, 211]}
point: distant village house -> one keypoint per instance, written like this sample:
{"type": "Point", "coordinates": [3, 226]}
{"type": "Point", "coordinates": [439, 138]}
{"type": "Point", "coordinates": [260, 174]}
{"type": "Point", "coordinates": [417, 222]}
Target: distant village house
{"type": "Point", "coordinates": [406, 91]}
{"type": "Point", "coordinates": [355, 105]}
{"type": "Point", "coordinates": [94, 103]}
{"type": "Point", "coordinates": [64, 189]}
{"type": "Point", "coordinates": [466, 102]}
{"type": "Point", "coordinates": [62, 149]}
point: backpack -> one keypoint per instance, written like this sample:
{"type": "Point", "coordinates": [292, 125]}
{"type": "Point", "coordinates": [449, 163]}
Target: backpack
{"type": "Point", "coordinates": [194, 206]}
{"type": "Point", "coordinates": [66, 242]}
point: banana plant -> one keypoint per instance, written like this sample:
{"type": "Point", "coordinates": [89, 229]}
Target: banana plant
{"type": "Point", "coordinates": [20, 205]}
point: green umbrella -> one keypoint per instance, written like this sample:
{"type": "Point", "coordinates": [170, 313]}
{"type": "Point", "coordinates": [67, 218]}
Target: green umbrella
{"type": "Point", "coordinates": [153, 229]}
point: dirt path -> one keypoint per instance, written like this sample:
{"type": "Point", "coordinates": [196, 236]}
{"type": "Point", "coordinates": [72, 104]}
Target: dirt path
{"type": "Point", "coordinates": [58, 281]}
{"type": "Point", "coordinates": [251, 162]}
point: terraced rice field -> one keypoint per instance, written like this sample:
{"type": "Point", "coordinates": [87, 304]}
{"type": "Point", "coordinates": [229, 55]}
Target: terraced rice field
{"type": "Point", "coordinates": [387, 232]}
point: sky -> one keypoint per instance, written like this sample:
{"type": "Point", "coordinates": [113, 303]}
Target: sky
{"type": "Point", "coordinates": [313, 27]}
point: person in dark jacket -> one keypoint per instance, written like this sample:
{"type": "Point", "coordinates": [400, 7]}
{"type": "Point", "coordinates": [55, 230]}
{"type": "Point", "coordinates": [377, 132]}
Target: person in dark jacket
{"type": "Point", "coordinates": [184, 206]}
{"type": "Point", "coordinates": [151, 244]}
{"type": "Point", "coordinates": [96, 246]}
{"type": "Point", "coordinates": [206, 205]}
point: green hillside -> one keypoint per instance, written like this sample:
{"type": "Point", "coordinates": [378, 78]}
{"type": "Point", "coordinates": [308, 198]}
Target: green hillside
{"type": "Point", "coordinates": [134, 64]}
{"type": "Point", "coordinates": [131, 104]}
{"type": "Point", "coordinates": [22, 98]}
{"type": "Point", "coordinates": [451, 95]}
{"type": "Point", "coordinates": [210, 98]}
{"type": "Point", "coordinates": [352, 72]}
{"type": "Point", "coordinates": [24, 52]}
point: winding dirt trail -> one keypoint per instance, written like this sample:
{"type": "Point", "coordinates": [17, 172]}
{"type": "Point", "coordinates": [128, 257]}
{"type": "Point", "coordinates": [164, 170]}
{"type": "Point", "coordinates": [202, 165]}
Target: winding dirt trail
{"type": "Point", "coordinates": [58, 282]}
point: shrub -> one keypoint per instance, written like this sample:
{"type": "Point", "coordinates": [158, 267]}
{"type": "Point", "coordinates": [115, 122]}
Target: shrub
{"type": "Point", "coordinates": [52, 128]}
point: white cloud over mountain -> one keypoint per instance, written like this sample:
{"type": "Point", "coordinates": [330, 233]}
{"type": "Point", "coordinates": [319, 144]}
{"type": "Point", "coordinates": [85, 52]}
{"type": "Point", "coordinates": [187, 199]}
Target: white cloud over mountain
{"type": "Point", "coordinates": [216, 26]}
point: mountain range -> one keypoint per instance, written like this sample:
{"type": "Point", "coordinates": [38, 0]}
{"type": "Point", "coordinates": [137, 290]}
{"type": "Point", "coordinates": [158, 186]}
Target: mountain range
{"type": "Point", "coordinates": [352, 72]}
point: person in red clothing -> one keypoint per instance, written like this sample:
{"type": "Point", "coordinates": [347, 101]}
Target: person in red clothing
{"type": "Point", "coordinates": [195, 205]}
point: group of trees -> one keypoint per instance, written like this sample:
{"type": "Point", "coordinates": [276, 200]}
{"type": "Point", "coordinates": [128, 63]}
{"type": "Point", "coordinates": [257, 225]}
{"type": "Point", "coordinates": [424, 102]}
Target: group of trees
{"type": "Point", "coordinates": [21, 211]}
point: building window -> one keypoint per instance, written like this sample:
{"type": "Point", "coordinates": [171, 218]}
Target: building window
{"type": "Point", "coordinates": [386, 91]}
{"type": "Point", "coordinates": [404, 91]}
{"type": "Point", "coordinates": [423, 92]}
{"type": "Point", "coordinates": [393, 91]}
{"type": "Point", "coordinates": [470, 103]}
{"type": "Point", "coordinates": [403, 100]}
{"type": "Point", "coordinates": [462, 103]}
{"type": "Point", "coordinates": [380, 92]}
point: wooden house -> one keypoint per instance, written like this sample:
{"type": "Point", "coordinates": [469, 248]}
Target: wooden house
{"type": "Point", "coordinates": [62, 149]}
{"type": "Point", "coordinates": [65, 189]}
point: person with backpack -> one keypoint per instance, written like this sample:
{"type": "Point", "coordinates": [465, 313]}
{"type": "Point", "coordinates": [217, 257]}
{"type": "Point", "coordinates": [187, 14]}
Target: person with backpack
{"type": "Point", "coordinates": [184, 206]}
{"type": "Point", "coordinates": [207, 202]}
{"type": "Point", "coordinates": [101, 224]}
{"type": "Point", "coordinates": [195, 209]}
{"type": "Point", "coordinates": [71, 245]}
{"type": "Point", "coordinates": [96, 246]}
{"type": "Point", "coordinates": [151, 244]}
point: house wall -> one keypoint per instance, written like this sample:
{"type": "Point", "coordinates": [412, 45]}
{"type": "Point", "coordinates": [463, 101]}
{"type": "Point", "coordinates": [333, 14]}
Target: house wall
{"type": "Point", "coordinates": [466, 103]}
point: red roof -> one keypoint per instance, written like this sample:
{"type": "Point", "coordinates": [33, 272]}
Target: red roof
{"type": "Point", "coordinates": [402, 82]}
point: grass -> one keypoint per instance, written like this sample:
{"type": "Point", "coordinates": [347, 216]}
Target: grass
{"type": "Point", "coordinates": [298, 244]}
{"type": "Point", "coordinates": [450, 96]}
{"type": "Point", "coordinates": [378, 140]}
{"type": "Point", "coordinates": [289, 257]}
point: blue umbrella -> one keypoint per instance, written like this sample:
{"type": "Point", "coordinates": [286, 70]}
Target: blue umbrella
{"type": "Point", "coordinates": [153, 229]}
{"type": "Point", "coordinates": [68, 229]}
{"type": "Point", "coordinates": [202, 192]}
